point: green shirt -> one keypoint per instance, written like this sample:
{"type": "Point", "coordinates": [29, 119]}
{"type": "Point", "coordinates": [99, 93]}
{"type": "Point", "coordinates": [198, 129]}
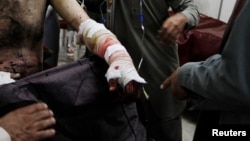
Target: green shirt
{"type": "Point", "coordinates": [158, 61]}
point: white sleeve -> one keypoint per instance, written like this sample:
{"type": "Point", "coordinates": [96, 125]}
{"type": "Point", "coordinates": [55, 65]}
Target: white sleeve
{"type": "Point", "coordinates": [4, 136]}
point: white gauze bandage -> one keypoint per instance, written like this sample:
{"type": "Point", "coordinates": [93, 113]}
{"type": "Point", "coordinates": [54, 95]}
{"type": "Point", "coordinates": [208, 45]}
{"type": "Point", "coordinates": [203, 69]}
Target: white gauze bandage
{"type": "Point", "coordinates": [111, 49]}
{"type": "Point", "coordinates": [93, 35]}
{"type": "Point", "coordinates": [89, 27]}
{"type": "Point", "coordinates": [121, 66]}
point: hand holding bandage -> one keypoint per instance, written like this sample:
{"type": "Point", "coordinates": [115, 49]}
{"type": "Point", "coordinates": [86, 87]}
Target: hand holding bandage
{"type": "Point", "coordinates": [121, 70]}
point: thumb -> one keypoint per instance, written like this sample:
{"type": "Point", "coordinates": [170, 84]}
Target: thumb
{"type": "Point", "coordinates": [165, 84]}
{"type": "Point", "coordinates": [112, 84]}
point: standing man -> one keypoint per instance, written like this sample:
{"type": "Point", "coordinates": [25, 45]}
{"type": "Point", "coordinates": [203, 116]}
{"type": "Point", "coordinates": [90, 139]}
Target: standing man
{"type": "Point", "coordinates": [221, 84]}
{"type": "Point", "coordinates": [142, 26]}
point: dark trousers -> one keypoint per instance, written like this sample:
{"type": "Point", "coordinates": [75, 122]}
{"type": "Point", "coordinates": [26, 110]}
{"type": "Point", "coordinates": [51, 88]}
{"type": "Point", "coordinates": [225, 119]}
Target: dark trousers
{"type": "Point", "coordinates": [157, 129]}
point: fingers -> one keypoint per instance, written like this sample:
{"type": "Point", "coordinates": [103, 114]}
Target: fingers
{"type": "Point", "coordinates": [33, 108]}
{"type": "Point", "coordinates": [168, 35]}
{"type": "Point", "coordinates": [171, 30]}
{"type": "Point", "coordinates": [33, 122]}
{"type": "Point", "coordinates": [133, 91]}
{"type": "Point", "coordinates": [42, 121]}
{"type": "Point", "coordinates": [15, 76]}
{"type": "Point", "coordinates": [113, 85]}
{"type": "Point", "coordinates": [42, 114]}
{"type": "Point", "coordinates": [165, 84]}
{"type": "Point", "coordinates": [44, 124]}
{"type": "Point", "coordinates": [130, 88]}
{"type": "Point", "coordinates": [168, 81]}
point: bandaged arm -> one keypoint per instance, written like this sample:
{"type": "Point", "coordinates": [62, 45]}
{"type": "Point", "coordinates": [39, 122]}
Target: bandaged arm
{"type": "Point", "coordinates": [103, 43]}
{"type": "Point", "coordinates": [99, 41]}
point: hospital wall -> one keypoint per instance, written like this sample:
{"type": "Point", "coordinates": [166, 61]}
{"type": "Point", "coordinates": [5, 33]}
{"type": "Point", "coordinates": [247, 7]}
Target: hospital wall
{"type": "Point", "coordinates": [219, 9]}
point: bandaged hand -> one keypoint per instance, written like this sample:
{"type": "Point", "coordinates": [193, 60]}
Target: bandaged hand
{"type": "Point", "coordinates": [121, 66]}
{"type": "Point", "coordinates": [122, 71]}
{"type": "Point", "coordinates": [103, 43]}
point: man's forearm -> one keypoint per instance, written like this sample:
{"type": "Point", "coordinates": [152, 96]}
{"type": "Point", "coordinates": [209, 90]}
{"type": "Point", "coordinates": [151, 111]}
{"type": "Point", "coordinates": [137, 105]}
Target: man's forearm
{"type": "Point", "coordinates": [100, 41]}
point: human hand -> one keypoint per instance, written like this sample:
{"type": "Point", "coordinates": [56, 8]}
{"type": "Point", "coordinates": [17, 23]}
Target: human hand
{"type": "Point", "coordinates": [122, 72]}
{"type": "Point", "coordinates": [130, 93]}
{"type": "Point", "coordinates": [172, 28]}
{"type": "Point", "coordinates": [30, 123]}
{"type": "Point", "coordinates": [176, 89]}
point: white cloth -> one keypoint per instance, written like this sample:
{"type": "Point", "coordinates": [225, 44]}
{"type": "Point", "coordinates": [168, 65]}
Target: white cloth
{"type": "Point", "coordinates": [5, 78]}
{"type": "Point", "coordinates": [4, 136]}
{"type": "Point", "coordinates": [111, 49]}
{"type": "Point", "coordinates": [121, 68]}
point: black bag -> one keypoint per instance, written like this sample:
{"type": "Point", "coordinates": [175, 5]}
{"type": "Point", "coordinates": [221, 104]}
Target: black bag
{"type": "Point", "coordinates": [79, 97]}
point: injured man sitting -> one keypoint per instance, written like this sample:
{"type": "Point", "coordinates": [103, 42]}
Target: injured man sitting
{"type": "Point", "coordinates": [90, 99]}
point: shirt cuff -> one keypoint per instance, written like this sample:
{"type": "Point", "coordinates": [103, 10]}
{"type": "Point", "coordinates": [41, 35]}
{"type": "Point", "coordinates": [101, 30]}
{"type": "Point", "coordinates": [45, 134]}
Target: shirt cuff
{"type": "Point", "coordinates": [4, 136]}
{"type": "Point", "coordinates": [191, 20]}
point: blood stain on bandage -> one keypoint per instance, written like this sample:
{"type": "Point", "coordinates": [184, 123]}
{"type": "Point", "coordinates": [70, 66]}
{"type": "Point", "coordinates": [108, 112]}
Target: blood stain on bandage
{"type": "Point", "coordinates": [116, 67]}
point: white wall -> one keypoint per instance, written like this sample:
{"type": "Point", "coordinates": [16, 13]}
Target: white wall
{"type": "Point", "coordinates": [219, 9]}
{"type": "Point", "coordinates": [226, 9]}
